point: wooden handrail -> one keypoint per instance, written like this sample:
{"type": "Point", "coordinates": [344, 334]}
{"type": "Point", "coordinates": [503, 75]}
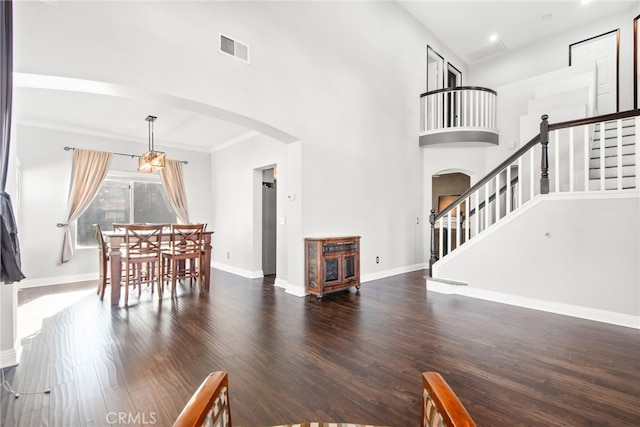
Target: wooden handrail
{"type": "Point", "coordinates": [543, 138]}
{"type": "Point", "coordinates": [458, 88]}
{"type": "Point", "coordinates": [598, 119]}
{"type": "Point", "coordinates": [509, 160]}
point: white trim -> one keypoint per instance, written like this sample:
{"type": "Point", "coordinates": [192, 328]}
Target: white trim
{"type": "Point", "coordinates": [235, 140]}
{"type": "Point", "coordinates": [392, 272]}
{"type": "Point", "coordinates": [57, 280]}
{"type": "Point", "coordinates": [297, 291]}
{"type": "Point", "coordinates": [280, 283]}
{"type": "Point", "coordinates": [460, 128]}
{"type": "Point", "coordinates": [301, 292]}
{"type": "Point", "coordinates": [588, 313]}
{"type": "Point", "coordinates": [40, 81]}
{"type": "Point", "coordinates": [10, 357]}
{"type": "Point", "coordinates": [238, 271]}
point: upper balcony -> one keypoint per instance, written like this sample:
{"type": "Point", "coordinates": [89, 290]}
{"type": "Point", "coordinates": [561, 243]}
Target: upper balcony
{"type": "Point", "coordinates": [462, 116]}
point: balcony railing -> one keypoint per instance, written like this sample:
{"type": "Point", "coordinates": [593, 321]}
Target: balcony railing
{"type": "Point", "coordinates": [466, 109]}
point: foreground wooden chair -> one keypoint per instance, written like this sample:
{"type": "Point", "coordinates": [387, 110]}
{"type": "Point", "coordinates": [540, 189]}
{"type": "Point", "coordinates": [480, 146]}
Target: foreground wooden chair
{"type": "Point", "coordinates": [209, 405]}
{"type": "Point", "coordinates": [440, 405]}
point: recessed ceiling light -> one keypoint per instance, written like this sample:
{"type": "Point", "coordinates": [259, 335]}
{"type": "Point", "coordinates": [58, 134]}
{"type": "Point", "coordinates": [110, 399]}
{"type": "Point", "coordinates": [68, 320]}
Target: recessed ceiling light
{"type": "Point", "coordinates": [493, 37]}
{"type": "Point", "coordinates": [585, 1]}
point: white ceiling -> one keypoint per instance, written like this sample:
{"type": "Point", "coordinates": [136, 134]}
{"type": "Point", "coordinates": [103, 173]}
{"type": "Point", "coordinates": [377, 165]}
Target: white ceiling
{"type": "Point", "coordinates": [464, 26]}
{"type": "Point", "coordinates": [111, 117]}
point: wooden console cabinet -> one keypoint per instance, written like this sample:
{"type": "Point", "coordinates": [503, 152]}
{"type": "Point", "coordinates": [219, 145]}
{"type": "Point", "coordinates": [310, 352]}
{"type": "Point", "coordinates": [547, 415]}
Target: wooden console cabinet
{"type": "Point", "coordinates": [331, 264]}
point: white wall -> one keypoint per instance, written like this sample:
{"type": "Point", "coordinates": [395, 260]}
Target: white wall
{"type": "Point", "coordinates": [45, 175]}
{"type": "Point", "coordinates": [346, 83]}
{"type": "Point", "coordinates": [514, 74]}
{"type": "Point", "coordinates": [553, 53]}
{"type": "Point", "coordinates": [580, 260]}
{"type": "Point", "coordinates": [237, 179]}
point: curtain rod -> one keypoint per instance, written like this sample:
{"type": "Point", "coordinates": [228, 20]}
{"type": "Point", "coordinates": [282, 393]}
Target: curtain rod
{"type": "Point", "coordinates": [124, 154]}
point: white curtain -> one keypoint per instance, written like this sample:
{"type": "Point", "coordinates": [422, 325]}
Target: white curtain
{"type": "Point", "coordinates": [88, 171]}
{"type": "Point", "coordinates": [173, 181]}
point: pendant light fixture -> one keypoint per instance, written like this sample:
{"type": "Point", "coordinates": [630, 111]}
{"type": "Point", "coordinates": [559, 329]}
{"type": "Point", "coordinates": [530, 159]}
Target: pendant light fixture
{"type": "Point", "coordinates": [152, 160]}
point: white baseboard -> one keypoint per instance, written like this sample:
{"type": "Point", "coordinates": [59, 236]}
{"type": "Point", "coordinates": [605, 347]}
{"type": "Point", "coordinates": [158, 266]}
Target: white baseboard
{"type": "Point", "coordinates": [239, 271]}
{"type": "Point", "coordinates": [298, 291]}
{"type": "Point", "coordinates": [392, 272]}
{"type": "Point", "coordinates": [279, 283]}
{"type": "Point", "coordinates": [588, 313]}
{"type": "Point", "coordinates": [57, 280]}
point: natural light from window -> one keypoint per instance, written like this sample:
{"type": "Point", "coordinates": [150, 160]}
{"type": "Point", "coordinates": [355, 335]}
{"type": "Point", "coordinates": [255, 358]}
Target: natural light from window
{"type": "Point", "coordinates": [125, 200]}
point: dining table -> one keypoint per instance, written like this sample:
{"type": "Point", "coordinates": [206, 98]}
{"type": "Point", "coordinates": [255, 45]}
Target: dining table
{"type": "Point", "coordinates": [115, 241]}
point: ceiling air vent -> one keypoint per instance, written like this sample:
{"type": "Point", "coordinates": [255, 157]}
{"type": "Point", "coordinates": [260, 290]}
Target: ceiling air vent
{"type": "Point", "coordinates": [234, 48]}
{"type": "Point", "coordinates": [486, 51]}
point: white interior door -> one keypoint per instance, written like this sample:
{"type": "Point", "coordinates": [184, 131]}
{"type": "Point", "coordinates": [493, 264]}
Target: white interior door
{"type": "Point", "coordinates": [604, 51]}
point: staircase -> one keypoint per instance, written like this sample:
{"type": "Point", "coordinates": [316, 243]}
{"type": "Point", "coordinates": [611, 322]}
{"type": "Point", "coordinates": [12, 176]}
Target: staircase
{"type": "Point", "coordinates": [582, 156]}
{"type": "Point", "coordinates": [616, 170]}
{"type": "Point", "coordinates": [554, 227]}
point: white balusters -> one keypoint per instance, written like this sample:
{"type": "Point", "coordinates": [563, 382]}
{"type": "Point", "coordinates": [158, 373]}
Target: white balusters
{"type": "Point", "coordinates": [602, 156]}
{"type": "Point", "coordinates": [571, 161]}
{"type": "Point", "coordinates": [619, 154]}
{"type": "Point", "coordinates": [458, 107]}
{"type": "Point", "coordinates": [587, 150]}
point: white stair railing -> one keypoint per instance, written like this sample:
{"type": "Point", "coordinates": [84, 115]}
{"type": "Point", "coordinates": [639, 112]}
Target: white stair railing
{"type": "Point", "coordinates": [587, 155]}
{"type": "Point", "coordinates": [458, 107]}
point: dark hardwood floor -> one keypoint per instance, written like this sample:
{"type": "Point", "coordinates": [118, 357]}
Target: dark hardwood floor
{"type": "Point", "coordinates": [353, 356]}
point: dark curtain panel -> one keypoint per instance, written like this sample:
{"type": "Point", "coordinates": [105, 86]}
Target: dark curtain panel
{"type": "Point", "coordinates": [9, 247]}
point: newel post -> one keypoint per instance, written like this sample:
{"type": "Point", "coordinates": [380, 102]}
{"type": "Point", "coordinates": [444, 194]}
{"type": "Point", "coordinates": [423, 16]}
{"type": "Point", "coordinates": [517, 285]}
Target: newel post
{"type": "Point", "coordinates": [432, 257]}
{"type": "Point", "coordinates": [544, 159]}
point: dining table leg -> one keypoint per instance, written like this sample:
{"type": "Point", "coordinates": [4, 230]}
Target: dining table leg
{"type": "Point", "coordinates": [115, 257]}
{"type": "Point", "coordinates": [206, 263]}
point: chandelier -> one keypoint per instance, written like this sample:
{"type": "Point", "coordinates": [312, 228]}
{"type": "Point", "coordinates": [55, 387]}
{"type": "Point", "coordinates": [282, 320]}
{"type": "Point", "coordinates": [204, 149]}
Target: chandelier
{"type": "Point", "coordinates": [152, 160]}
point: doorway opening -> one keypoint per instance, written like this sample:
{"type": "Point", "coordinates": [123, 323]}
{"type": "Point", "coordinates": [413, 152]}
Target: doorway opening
{"type": "Point", "coordinates": [445, 188]}
{"type": "Point", "coordinates": [454, 79]}
{"type": "Point", "coordinates": [269, 221]}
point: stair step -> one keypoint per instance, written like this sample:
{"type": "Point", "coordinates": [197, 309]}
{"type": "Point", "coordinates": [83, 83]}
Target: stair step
{"type": "Point", "coordinates": [612, 172]}
{"type": "Point", "coordinates": [612, 161]}
{"type": "Point", "coordinates": [627, 149]}
{"type": "Point", "coordinates": [612, 139]}
{"type": "Point", "coordinates": [612, 183]}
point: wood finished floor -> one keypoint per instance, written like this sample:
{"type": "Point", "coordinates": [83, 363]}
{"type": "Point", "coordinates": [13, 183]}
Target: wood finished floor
{"type": "Point", "coordinates": [351, 357]}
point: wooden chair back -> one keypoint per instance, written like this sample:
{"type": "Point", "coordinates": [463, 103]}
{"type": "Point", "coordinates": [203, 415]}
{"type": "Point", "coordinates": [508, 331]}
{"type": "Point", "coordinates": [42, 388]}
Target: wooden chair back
{"type": "Point", "coordinates": [103, 260]}
{"type": "Point", "coordinates": [186, 239]}
{"type": "Point", "coordinates": [143, 240]}
{"type": "Point", "coordinates": [440, 405]}
{"type": "Point", "coordinates": [209, 405]}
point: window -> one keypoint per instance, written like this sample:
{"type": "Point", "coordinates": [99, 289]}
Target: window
{"type": "Point", "coordinates": [124, 200]}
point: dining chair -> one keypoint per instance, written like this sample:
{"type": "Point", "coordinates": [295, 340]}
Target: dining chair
{"type": "Point", "coordinates": [142, 258]}
{"type": "Point", "coordinates": [103, 260]}
{"type": "Point", "coordinates": [182, 259]}
{"type": "Point", "coordinates": [119, 226]}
